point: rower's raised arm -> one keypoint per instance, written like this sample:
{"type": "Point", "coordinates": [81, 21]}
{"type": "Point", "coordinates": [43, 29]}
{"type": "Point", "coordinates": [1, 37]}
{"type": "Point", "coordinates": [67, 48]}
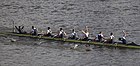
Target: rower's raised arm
{"type": "Point", "coordinates": [65, 33]}
{"type": "Point", "coordinates": [87, 28]}
{"type": "Point", "coordinates": [83, 31]}
{"type": "Point", "coordinates": [124, 33]}
{"type": "Point", "coordinates": [16, 27]}
{"type": "Point", "coordinates": [22, 27]}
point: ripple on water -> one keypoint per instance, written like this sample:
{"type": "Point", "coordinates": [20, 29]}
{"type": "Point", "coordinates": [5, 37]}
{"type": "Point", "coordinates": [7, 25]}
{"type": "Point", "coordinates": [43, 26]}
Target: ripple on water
{"type": "Point", "coordinates": [102, 15]}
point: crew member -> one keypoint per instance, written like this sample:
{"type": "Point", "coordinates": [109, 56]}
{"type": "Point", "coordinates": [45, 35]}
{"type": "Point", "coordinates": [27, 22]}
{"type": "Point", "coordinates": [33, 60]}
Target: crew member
{"type": "Point", "coordinates": [49, 32]}
{"type": "Point", "coordinates": [20, 29]}
{"type": "Point", "coordinates": [61, 33]}
{"type": "Point", "coordinates": [73, 35]}
{"type": "Point", "coordinates": [86, 34]}
{"type": "Point", "coordinates": [111, 38]}
{"type": "Point", "coordinates": [34, 31]}
{"type": "Point", "coordinates": [99, 37]}
{"type": "Point", "coordinates": [123, 39]}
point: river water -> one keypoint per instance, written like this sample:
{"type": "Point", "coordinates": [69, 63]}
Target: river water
{"type": "Point", "coordinates": [37, 52]}
{"type": "Point", "coordinates": [99, 15]}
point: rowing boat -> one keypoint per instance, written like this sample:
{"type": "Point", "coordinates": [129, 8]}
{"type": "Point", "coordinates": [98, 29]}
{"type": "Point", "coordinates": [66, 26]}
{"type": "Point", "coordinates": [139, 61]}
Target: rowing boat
{"type": "Point", "coordinates": [74, 41]}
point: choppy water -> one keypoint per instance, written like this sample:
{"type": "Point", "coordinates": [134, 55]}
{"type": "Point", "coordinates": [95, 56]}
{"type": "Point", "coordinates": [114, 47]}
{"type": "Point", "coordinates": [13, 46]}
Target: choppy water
{"type": "Point", "coordinates": [37, 52]}
{"type": "Point", "coordinates": [100, 15]}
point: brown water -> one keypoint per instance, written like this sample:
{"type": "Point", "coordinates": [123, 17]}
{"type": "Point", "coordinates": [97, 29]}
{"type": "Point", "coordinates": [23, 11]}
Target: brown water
{"type": "Point", "coordinates": [100, 15]}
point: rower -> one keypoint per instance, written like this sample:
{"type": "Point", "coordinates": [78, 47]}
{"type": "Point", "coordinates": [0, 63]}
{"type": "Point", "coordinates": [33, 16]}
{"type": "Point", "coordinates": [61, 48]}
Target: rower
{"type": "Point", "coordinates": [34, 31]}
{"type": "Point", "coordinates": [20, 29]}
{"type": "Point", "coordinates": [123, 39]}
{"type": "Point", "coordinates": [86, 34]}
{"type": "Point", "coordinates": [110, 40]}
{"type": "Point", "coordinates": [99, 37]}
{"type": "Point", "coordinates": [73, 35]}
{"type": "Point", "coordinates": [49, 32]}
{"type": "Point", "coordinates": [61, 33]}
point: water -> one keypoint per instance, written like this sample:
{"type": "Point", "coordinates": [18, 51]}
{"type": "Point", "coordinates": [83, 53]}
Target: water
{"type": "Point", "coordinates": [37, 52]}
{"type": "Point", "coordinates": [99, 15]}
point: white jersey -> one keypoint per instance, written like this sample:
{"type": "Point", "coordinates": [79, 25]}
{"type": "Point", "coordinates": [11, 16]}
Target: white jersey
{"type": "Point", "coordinates": [87, 34]}
{"type": "Point", "coordinates": [73, 34]}
{"type": "Point", "coordinates": [49, 31]}
{"type": "Point", "coordinates": [112, 36]}
{"type": "Point", "coordinates": [100, 35]}
{"type": "Point", "coordinates": [123, 37]}
{"type": "Point", "coordinates": [61, 32]}
{"type": "Point", "coordinates": [33, 29]}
